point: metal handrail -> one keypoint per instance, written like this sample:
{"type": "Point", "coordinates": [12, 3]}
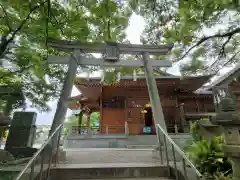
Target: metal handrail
{"type": "Point", "coordinates": [31, 162]}
{"type": "Point", "coordinates": [179, 151]}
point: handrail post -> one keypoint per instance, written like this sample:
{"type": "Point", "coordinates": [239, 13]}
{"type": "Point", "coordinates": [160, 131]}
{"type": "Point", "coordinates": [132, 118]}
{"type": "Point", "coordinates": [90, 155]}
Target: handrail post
{"type": "Point", "coordinates": [50, 158]}
{"type": "Point", "coordinates": [31, 177]}
{"type": "Point", "coordinates": [106, 129]}
{"type": "Point", "coordinates": [184, 169]}
{"type": "Point", "coordinates": [126, 128]}
{"type": "Point", "coordinates": [41, 168]}
{"type": "Point", "coordinates": [166, 151]}
{"type": "Point", "coordinates": [175, 162]}
{"type": "Point", "coordinates": [182, 115]}
{"type": "Point", "coordinates": [58, 143]}
{"type": "Point", "coordinates": [160, 147]}
{"type": "Point", "coordinates": [70, 131]}
{"type": "Point", "coordinates": [176, 128]}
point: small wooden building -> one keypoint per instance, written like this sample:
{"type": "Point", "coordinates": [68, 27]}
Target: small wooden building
{"type": "Point", "coordinates": [126, 101]}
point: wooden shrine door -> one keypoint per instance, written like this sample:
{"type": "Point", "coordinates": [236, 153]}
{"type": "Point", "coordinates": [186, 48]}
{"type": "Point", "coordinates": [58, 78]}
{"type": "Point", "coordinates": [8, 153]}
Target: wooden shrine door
{"type": "Point", "coordinates": [134, 115]}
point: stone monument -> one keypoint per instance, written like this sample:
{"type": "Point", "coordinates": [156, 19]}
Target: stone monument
{"type": "Point", "coordinates": [22, 134]}
{"type": "Point", "coordinates": [228, 117]}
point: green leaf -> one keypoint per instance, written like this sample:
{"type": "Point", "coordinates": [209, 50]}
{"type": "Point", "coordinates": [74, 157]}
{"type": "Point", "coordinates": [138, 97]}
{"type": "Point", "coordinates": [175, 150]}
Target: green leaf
{"type": "Point", "coordinates": [31, 25]}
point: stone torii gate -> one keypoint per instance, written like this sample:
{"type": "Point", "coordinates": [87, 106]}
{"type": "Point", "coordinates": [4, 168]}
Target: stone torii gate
{"type": "Point", "coordinates": [112, 52]}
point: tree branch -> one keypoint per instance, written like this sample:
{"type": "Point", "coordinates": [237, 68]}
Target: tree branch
{"type": "Point", "coordinates": [25, 20]}
{"type": "Point", "coordinates": [3, 45]}
{"type": "Point", "coordinates": [222, 51]}
{"type": "Point", "coordinates": [47, 20]}
{"type": "Point", "coordinates": [56, 22]}
{"type": "Point", "coordinates": [226, 63]}
{"type": "Point", "coordinates": [202, 40]}
{"type": "Point", "coordinates": [18, 71]}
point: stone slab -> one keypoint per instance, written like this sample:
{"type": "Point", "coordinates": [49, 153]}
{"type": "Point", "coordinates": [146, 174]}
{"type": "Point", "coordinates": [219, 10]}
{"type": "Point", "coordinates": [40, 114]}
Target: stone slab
{"type": "Point", "coordinates": [104, 165]}
{"type": "Point", "coordinates": [111, 155]}
{"type": "Point", "coordinates": [105, 149]}
{"type": "Point", "coordinates": [109, 172]}
{"type": "Point", "coordinates": [156, 178]}
{"type": "Point", "coordinates": [113, 141]}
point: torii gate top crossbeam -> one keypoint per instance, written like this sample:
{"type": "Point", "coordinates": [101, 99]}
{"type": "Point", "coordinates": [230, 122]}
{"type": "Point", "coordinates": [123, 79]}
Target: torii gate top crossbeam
{"type": "Point", "coordinates": [70, 46]}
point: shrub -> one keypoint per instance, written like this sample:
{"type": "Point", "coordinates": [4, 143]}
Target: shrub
{"type": "Point", "coordinates": [209, 157]}
{"type": "Point", "coordinates": [222, 176]}
{"type": "Point", "coordinates": [66, 132]}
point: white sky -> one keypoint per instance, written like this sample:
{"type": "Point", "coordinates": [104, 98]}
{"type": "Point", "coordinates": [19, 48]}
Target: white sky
{"type": "Point", "coordinates": [133, 31]}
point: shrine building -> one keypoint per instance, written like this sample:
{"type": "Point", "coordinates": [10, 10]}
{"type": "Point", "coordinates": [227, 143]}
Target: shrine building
{"type": "Point", "coordinates": [127, 102]}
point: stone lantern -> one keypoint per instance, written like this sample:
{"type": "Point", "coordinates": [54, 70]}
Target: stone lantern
{"type": "Point", "coordinates": [111, 53]}
{"type": "Point", "coordinates": [228, 117]}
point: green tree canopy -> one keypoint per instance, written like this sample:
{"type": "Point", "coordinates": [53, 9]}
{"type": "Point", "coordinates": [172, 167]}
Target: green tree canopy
{"type": "Point", "coordinates": [25, 27]}
{"type": "Point", "coordinates": [205, 33]}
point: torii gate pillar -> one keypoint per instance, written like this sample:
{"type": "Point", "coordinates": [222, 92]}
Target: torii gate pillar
{"type": "Point", "coordinates": [153, 93]}
{"type": "Point", "coordinates": [62, 105]}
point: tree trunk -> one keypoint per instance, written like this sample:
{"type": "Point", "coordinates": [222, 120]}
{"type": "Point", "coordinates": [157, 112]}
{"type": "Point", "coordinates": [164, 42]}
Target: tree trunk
{"type": "Point", "coordinates": [3, 46]}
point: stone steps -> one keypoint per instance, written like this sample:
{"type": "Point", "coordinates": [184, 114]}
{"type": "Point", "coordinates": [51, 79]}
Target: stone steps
{"type": "Point", "coordinates": [109, 163]}
{"type": "Point", "coordinates": [110, 171]}
{"type": "Point", "coordinates": [157, 178]}
{"type": "Point", "coordinates": [109, 155]}
{"type": "Point", "coordinates": [148, 178]}
{"type": "Point", "coordinates": [131, 146]}
{"type": "Point", "coordinates": [120, 141]}
{"type": "Point", "coordinates": [112, 163]}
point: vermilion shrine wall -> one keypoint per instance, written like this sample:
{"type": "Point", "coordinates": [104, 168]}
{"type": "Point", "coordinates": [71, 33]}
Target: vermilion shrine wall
{"type": "Point", "coordinates": [136, 98]}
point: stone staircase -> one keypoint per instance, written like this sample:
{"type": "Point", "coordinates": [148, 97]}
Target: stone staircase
{"type": "Point", "coordinates": [133, 157]}
{"type": "Point", "coordinates": [120, 141]}
{"type": "Point", "coordinates": [112, 171]}
{"type": "Point", "coordinates": [130, 158]}
{"type": "Point", "coordinates": [110, 163]}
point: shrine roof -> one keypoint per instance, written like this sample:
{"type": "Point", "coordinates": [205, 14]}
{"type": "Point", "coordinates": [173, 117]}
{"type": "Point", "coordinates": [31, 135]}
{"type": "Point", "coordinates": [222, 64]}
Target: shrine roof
{"type": "Point", "coordinates": [91, 88]}
{"type": "Point", "coordinates": [192, 82]}
{"type": "Point", "coordinates": [80, 101]}
{"type": "Point", "coordinates": [226, 78]}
